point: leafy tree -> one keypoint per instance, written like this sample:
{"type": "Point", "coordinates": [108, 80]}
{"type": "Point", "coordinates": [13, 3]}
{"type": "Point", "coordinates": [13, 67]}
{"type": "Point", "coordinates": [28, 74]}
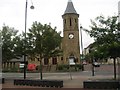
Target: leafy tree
{"type": "Point", "coordinates": [43, 41]}
{"type": "Point", "coordinates": [19, 48]}
{"type": "Point", "coordinates": [106, 35]}
{"type": "Point", "coordinates": [8, 35]}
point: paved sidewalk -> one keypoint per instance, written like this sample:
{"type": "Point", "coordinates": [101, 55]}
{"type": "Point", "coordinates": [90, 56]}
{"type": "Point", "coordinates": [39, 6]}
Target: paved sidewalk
{"type": "Point", "coordinates": [76, 82]}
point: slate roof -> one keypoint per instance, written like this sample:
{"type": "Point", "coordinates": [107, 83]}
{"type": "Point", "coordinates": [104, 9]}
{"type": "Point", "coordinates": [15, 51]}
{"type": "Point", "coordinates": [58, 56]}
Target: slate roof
{"type": "Point", "coordinates": [70, 8]}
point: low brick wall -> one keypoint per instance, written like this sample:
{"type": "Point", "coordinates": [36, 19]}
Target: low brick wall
{"type": "Point", "coordinates": [42, 83]}
{"type": "Point", "coordinates": [101, 84]}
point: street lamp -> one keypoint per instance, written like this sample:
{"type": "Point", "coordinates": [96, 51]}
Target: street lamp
{"type": "Point", "coordinates": [119, 37]}
{"type": "Point", "coordinates": [32, 7]}
{"type": "Point", "coordinates": [81, 46]}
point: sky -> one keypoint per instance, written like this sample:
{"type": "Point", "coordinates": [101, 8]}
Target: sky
{"type": "Point", "coordinates": [12, 13]}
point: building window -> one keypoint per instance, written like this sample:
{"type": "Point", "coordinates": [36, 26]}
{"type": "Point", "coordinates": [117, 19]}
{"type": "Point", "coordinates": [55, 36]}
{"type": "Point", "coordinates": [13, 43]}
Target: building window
{"type": "Point", "coordinates": [38, 59]}
{"type": "Point", "coordinates": [76, 60]}
{"type": "Point", "coordinates": [65, 21]}
{"type": "Point", "coordinates": [46, 61]}
{"type": "Point", "coordinates": [61, 58]}
{"type": "Point", "coordinates": [75, 20]}
{"type": "Point", "coordinates": [54, 60]}
{"type": "Point", "coordinates": [70, 22]}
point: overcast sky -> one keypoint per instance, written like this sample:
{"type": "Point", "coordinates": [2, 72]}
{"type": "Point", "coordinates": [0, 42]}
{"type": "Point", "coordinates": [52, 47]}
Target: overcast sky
{"type": "Point", "coordinates": [50, 11]}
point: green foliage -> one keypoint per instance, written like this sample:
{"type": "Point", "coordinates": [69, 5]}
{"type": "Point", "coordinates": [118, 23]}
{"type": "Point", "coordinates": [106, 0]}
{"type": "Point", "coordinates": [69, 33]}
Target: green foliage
{"type": "Point", "coordinates": [106, 35]}
{"type": "Point", "coordinates": [13, 69]}
{"type": "Point", "coordinates": [19, 48]}
{"type": "Point", "coordinates": [65, 67]}
{"type": "Point", "coordinates": [8, 36]}
{"type": "Point", "coordinates": [60, 67]}
{"type": "Point", "coordinates": [43, 40]}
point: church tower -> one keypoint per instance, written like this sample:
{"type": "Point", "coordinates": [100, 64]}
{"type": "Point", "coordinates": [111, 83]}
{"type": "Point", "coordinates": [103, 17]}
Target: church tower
{"type": "Point", "coordinates": [71, 48]}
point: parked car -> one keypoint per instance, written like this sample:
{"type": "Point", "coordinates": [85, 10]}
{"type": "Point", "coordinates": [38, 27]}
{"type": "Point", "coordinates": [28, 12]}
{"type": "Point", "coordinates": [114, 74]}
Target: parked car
{"type": "Point", "coordinates": [96, 64]}
{"type": "Point", "coordinates": [31, 67]}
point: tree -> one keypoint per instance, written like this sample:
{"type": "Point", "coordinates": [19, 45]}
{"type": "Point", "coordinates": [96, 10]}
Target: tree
{"type": "Point", "coordinates": [43, 41]}
{"type": "Point", "coordinates": [106, 35]}
{"type": "Point", "coordinates": [8, 35]}
{"type": "Point", "coordinates": [19, 48]}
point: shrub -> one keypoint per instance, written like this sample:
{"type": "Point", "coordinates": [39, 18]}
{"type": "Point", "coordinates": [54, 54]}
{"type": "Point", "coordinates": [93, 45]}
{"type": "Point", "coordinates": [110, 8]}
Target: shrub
{"type": "Point", "coordinates": [65, 67]}
{"type": "Point", "coordinates": [60, 67]}
{"type": "Point", "coordinates": [13, 69]}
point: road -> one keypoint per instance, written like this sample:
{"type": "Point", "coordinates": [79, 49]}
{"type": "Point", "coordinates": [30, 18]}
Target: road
{"type": "Point", "coordinates": [105, 70]}
{"type": "Point", "coordinates": [71, 80]}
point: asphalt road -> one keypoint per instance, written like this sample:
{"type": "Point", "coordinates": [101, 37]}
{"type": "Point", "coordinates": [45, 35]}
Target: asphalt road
{"type": "Point", "coordinates": [103, 70]}
{"type": "Point", "coordinates": [71, 79]}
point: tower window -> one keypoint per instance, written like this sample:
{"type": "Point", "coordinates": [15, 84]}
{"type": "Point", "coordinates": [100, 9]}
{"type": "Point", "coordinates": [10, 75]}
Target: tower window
{"type": "Point", "coordinates": [65, 21]}
{"type": "Point", "coordinates": [75, 20]}
{"type": "Point", "coordinates": [38, 59]}
{"type": "Point", "coordinates": [61, 58]}
{"type": "Point", "coordinates": [70, 22]}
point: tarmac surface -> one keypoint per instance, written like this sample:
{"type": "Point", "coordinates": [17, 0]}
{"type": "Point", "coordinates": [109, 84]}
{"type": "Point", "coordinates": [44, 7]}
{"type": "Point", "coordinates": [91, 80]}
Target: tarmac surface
{"type": "Point", "coordinates": [73, 80]}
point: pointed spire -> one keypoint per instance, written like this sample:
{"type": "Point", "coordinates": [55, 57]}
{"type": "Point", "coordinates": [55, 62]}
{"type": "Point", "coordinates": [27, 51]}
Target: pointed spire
{"type": "Point", "coordinates": [70, 1]}
{"type": "Point", "coordinates": [70, 8]}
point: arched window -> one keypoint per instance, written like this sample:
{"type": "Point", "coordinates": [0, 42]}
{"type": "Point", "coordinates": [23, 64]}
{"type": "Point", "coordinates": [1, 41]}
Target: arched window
{"type": "Point", "coordinates": [46, 61]}
{"type": "Point", "coordinates": [54, 60]}
{"type": "Point", "coordinates": [65, 21]}
{"type": "Point", "coordinates": [75, 20]}
{"type": "Point", "coordinates": [70, 22]}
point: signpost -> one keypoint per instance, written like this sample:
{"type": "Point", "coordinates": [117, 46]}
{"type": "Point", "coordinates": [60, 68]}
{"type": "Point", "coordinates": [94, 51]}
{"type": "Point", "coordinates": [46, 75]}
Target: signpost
{"type": "Point", "coordinates": [21, 65]}
{"type": "Point", "coordinates": [71, 62]}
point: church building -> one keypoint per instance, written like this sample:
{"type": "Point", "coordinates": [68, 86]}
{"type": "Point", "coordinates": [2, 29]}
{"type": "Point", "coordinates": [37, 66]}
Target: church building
{"type": "Point", "coordinates": [71, 47]}
{"type": "Point", "coordinates": [70, 41]}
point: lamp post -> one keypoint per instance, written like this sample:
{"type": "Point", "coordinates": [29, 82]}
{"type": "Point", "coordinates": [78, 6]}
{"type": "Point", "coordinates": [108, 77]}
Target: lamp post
{"type": "Point", "coordinates": [81, 47]}
{"type": "Point", "coordinates": [32, 7]}
{"type": "Point", "coordinates": [93, 68]}
{"type": "Point", "coordinates": [119, 37]}
{"type": "Point", "coordinates": [119, 12]}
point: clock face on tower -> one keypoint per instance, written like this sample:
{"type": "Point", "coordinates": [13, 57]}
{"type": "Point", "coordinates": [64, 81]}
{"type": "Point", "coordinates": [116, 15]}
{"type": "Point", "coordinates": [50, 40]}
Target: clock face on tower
{"type": "Point", "coordinates": [71, 36]}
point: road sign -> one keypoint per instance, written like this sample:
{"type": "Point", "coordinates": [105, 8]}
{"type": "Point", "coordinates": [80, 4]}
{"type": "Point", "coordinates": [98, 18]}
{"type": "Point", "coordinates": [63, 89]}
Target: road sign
{"type": "Point", "coordinates": [71, 61]}
{"type": "Point", "coordinates": [21, 65]}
